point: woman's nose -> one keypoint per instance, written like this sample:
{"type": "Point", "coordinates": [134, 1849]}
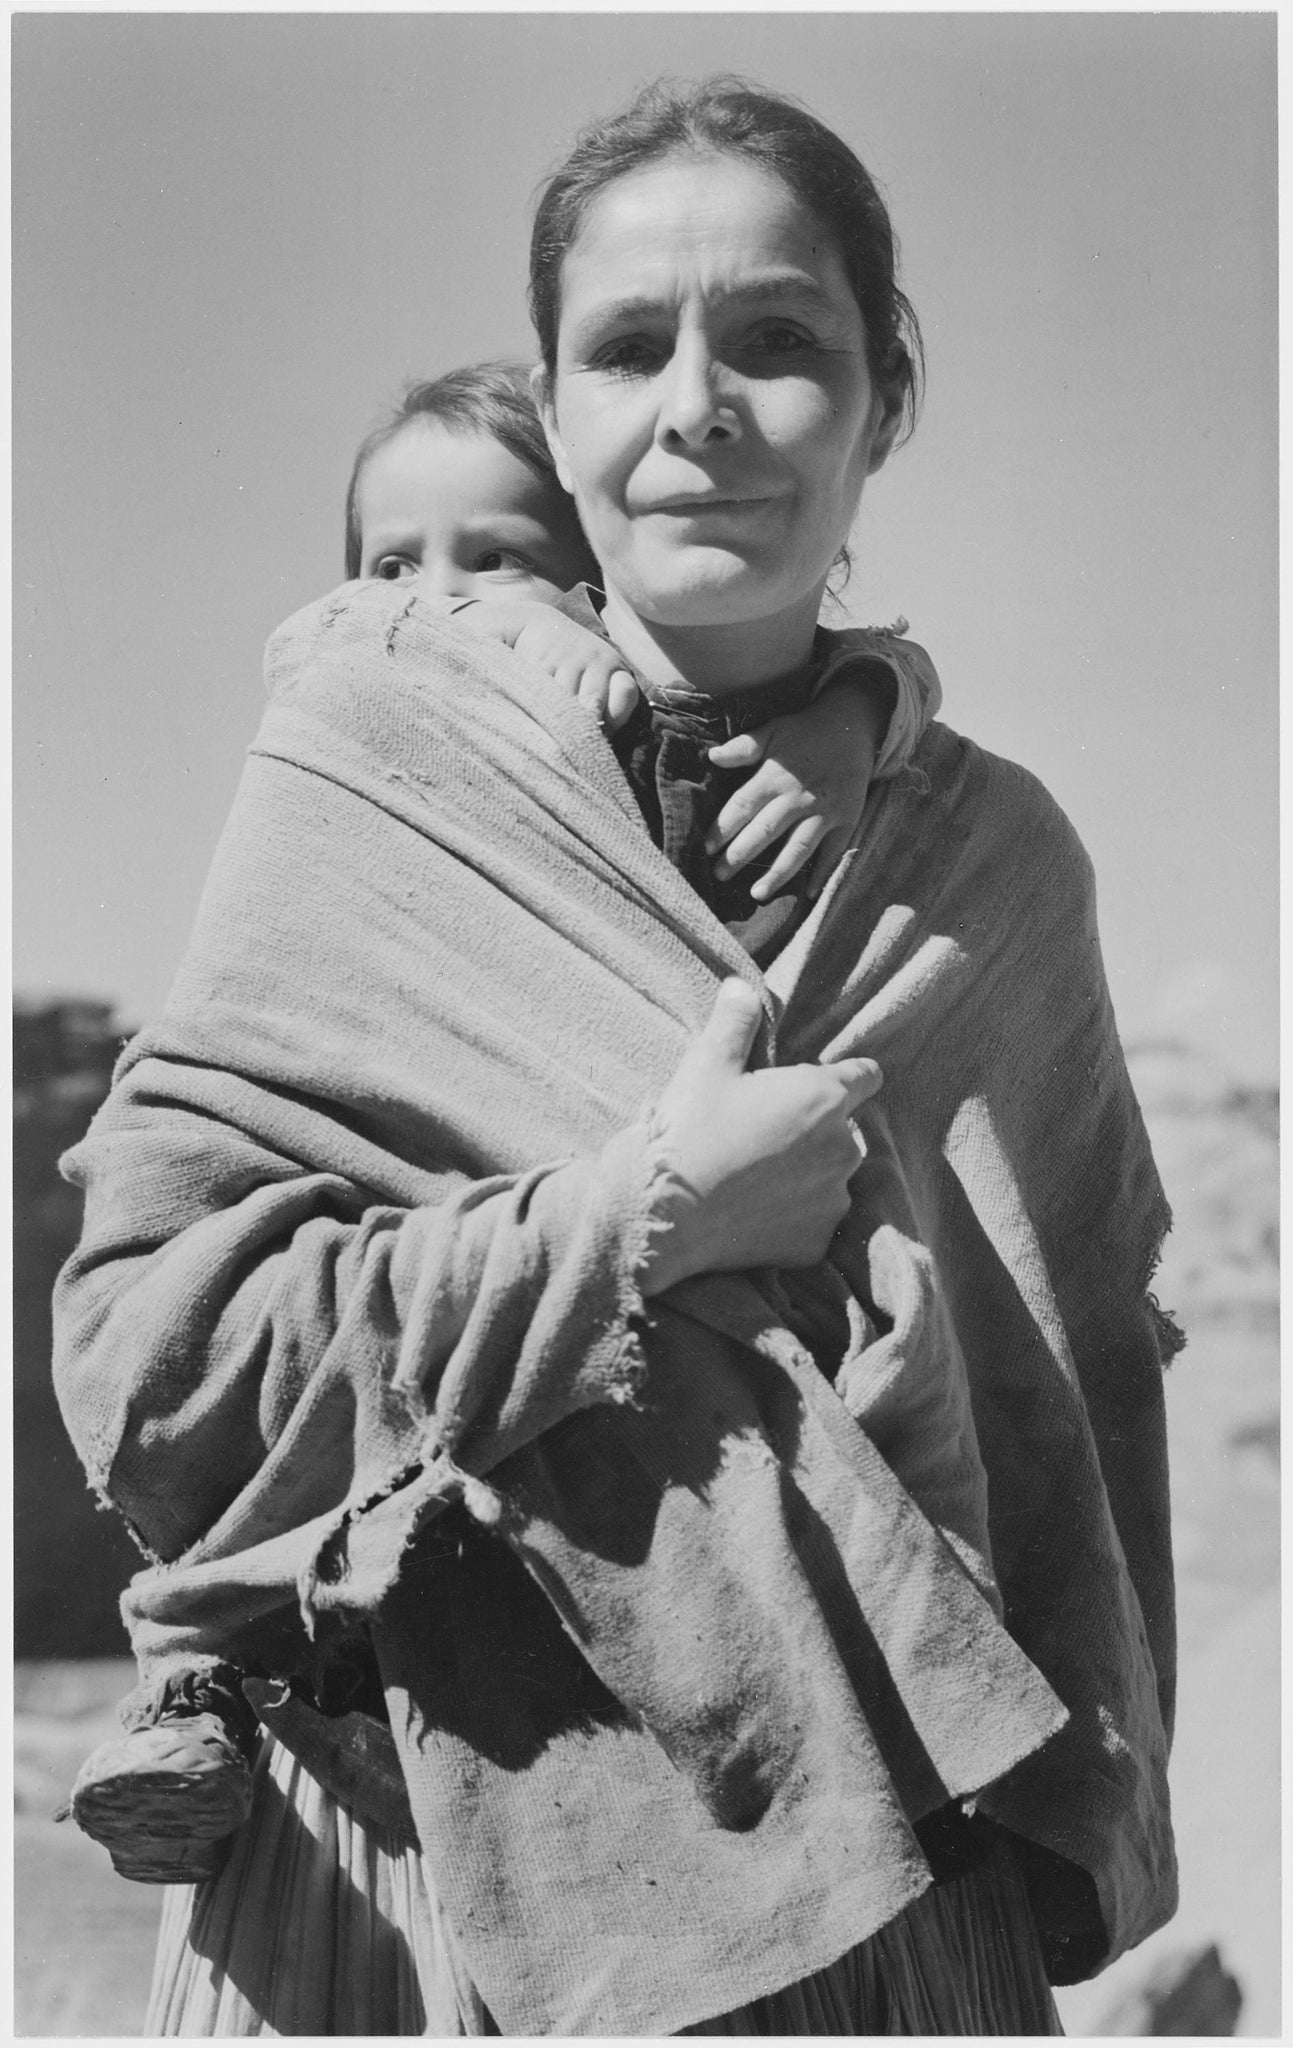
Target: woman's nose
{"type": "Point", "coordinates": [695, 405]}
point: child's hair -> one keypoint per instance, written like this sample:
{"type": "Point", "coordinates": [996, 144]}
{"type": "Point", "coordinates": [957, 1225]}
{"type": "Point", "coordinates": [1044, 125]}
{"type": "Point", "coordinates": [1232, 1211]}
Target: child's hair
{"type": "Point", "coordinates": [483, 398]}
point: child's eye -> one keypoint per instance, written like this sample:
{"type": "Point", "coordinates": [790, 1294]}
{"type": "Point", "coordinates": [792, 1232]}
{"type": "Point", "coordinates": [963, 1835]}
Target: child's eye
{"type": "Point", "coordinates": [504, 562]}
{"type": "Point", "coordinates": [394, 568]}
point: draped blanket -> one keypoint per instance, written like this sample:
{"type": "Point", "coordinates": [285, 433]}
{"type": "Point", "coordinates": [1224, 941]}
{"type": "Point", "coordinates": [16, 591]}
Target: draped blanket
{"type": "Point", "coordinates": [685, 1610]}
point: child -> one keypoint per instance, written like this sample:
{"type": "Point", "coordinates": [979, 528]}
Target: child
{"type": "Point", "coordinates": [457, 491]}
{"type": "Point", "coordinates": [457, 494]}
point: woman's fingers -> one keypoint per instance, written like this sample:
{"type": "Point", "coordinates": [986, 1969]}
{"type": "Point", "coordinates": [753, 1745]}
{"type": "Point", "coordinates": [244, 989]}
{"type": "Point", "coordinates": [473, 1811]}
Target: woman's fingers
{"type": "Point", "coordinates": [732, 1026]}
{"type": "Point", "coordinates": [861, 1079]}
{"type": "Point", "coordinates": [717, 1055]}
{"type": "Point", "coordinates": [798, 848]}
{"type": "Point", "coordinates": [760, 1162]}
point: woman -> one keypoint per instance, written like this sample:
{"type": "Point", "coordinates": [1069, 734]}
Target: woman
{"type": "Point", "coordinates": [396, 1308]}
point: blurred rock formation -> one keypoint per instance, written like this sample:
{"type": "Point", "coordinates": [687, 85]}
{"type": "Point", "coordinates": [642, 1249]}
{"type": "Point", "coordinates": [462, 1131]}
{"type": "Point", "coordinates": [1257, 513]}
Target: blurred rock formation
{"type": "Point", "coordinates": [1192, 1993]}
{"type": "Point", "coordinates": [1216, 1145]}
{"type": "Point", "coordinates": [71, 1558]}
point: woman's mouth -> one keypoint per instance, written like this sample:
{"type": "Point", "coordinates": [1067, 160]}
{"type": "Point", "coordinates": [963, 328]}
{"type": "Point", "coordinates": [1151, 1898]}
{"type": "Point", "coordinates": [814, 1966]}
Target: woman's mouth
{"type": "Point", "coordinates": [691, 507]}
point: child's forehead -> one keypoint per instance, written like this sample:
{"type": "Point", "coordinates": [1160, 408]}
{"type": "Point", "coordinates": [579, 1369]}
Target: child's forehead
{"type": "Point", "coordinates": [459, 465]}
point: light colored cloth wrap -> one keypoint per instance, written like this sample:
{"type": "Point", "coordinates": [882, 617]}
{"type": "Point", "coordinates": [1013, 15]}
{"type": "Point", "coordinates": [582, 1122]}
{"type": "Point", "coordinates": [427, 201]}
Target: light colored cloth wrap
{"type": "Point", "coordinates": [364, 1214]}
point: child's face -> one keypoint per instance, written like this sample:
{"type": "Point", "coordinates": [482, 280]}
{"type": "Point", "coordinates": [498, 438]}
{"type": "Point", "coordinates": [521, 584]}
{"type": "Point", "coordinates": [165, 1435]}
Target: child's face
{"type": "Point", "coordinates": [466, 518]}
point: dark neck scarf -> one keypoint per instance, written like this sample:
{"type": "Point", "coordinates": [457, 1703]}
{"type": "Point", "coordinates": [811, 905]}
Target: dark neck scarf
{"type": "Point", "coordinates": [664, 752]}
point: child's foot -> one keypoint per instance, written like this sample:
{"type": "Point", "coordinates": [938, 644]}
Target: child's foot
{"type": "Point", "coordinates": [165, 1801]}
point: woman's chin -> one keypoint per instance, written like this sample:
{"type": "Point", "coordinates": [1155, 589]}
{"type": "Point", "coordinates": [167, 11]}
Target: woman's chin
{"type": "Point", "coordinates": [718, 589]}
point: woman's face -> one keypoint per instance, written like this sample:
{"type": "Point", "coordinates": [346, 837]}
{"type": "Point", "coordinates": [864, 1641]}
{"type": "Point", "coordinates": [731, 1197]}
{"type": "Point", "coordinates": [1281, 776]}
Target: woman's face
{"type": "Point", "coordinates": [712, 411]}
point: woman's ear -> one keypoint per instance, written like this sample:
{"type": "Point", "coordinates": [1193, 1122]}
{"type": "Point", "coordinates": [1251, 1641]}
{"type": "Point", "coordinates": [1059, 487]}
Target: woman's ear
{"type": "Point", "coordinates": [887, 412]}
{"type": "Point", "coordinates": [541, 386]}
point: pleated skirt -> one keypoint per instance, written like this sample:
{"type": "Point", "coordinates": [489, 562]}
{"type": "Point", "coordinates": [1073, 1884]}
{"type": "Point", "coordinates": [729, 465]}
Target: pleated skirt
{"type": "Point", "coordinates": [320, 1924]}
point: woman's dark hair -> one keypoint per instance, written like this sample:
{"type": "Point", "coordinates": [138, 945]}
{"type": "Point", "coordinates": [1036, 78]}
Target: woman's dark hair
{"type": "Point", "coordinates": [484, 398]}
{"type": "Point", "coordinates": [729, 117]}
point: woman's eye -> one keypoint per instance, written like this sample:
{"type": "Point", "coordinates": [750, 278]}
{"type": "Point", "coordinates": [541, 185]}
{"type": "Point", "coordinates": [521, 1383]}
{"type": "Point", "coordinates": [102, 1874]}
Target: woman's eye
{"type": "Point", "coordinates": [631, 357]}
{"type": "Point", "coordinates": [394, 568]}
{"type": "Point", "coordinates": [779, 338]}
{"type": "Point", "coordinates": [504, 562]}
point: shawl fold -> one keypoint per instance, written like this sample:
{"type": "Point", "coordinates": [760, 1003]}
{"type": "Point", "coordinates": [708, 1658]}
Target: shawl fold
{"type": "Point", "coordinates": [681, 1623]}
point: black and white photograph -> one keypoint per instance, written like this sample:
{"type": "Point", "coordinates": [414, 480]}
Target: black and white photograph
{"type": "Point", "coordinates": [645, 733]}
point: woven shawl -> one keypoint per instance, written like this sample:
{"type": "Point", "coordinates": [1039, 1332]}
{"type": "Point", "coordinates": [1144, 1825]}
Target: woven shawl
{"type": "Point", "coordinates": [680, 1631]}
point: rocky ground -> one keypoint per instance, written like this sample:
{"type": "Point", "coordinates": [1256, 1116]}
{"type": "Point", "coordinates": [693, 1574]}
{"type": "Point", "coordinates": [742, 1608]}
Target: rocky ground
{"type": "Point", "coordinates": [84, 1938]}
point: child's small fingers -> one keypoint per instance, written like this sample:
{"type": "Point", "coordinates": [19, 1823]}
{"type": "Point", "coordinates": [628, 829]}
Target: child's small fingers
{"type": "Point", "coordinates": [567, 675]}
{"type": "Point", "coordinates": [621, 699]}
{"type": "Point", "coordinates": [741, 809]}
{"type": "Point", "coordinates": [594, 682]}
{"type": "Point", "coordinates": [798, 848]}
{"type": "Point", "coordinates": [773, 820]}
{"type": "Point", "coordinates": [744, 751]}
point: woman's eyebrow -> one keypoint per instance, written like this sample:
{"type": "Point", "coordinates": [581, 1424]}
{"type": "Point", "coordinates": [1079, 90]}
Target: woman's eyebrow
{"type": "Point", "coordinates": [777, 287]}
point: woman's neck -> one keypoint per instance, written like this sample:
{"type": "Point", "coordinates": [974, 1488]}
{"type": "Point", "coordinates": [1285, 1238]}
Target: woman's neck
{"type": "Point", "coordinates": [713, 661]}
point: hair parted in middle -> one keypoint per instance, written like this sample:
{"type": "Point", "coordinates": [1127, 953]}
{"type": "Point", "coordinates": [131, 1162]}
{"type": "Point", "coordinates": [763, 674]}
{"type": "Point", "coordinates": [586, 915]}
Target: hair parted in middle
{"type": "Point", "coordinates": [728, 116]}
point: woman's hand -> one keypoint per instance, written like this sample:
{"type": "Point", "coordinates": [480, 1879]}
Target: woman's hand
{"type": "Point", "coordinates": [813, 782]}
{"type": "Point", "coordinates": [759, 1163]}
{"type": "Point", "coordinates": [579, 662]}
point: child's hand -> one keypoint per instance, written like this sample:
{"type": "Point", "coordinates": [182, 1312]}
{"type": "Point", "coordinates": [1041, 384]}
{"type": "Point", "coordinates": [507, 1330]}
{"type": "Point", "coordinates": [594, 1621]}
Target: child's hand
{"type": "Point", "coordinates": [813, 782]}
{"type": "Point", "coordinates": [578, 662]}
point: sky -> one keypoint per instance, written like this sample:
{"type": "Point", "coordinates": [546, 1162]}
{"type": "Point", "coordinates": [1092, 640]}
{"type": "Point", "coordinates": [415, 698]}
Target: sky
{"type": "Point", "coordinates": [237, 236]}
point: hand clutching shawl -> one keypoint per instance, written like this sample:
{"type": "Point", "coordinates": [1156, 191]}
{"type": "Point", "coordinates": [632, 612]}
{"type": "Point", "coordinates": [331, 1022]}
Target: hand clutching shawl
{"type": "Point", "coordinates": [685, 1612]}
